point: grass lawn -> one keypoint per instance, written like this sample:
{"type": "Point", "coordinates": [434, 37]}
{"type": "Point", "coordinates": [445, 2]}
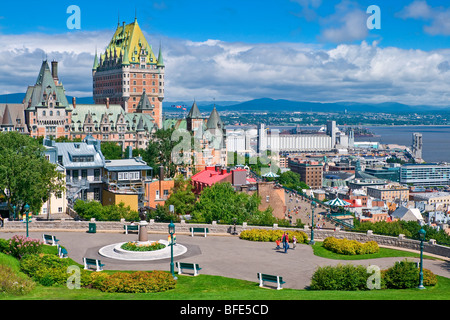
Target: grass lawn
{"type": "Point", "coordinates": [207, 287]}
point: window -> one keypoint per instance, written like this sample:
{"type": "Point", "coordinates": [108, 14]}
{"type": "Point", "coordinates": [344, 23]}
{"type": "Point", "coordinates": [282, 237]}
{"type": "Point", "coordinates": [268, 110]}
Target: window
{"type": "Point", "coordinates": [96, 174]}
{"type": "Point", "coordinates": [157, 194]}
{"type": "Point", "coordinates": [97, 194]}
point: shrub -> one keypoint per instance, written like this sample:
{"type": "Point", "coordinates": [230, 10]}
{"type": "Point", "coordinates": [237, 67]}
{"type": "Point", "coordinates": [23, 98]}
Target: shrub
{"type": "Point", "coordinates": [11, 283]}
{"type": "Point", "coordinates": [341, 277]}
{"type": "Point", "coordinates": [94, 209]}
{"type": "Point", "coordinates": [19, 246]}
{"type": "Point", "coordinates": [272, 235]}
{"type": "Point", "coordinates": [4, 245]}
{"type": "Point", "coordinates": [50, 270]}
{"type": "Point", "coordinates": [350, 247]}
{"type": "Point", "coordinates": [405, 274]}
{"type": "Point", "coordinates": [136, 282]}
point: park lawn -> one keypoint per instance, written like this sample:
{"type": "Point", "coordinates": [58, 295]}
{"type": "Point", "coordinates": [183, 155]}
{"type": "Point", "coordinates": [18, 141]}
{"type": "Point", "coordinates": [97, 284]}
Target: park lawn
{"type": "Point", "coordinates": [320, 251]}
{"type": "Point", "coordinates": [206, 287]}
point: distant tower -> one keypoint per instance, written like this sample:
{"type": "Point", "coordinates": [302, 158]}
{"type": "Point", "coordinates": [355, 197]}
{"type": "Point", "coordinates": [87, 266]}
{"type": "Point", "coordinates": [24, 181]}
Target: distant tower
{"type": "Point", "coordinates": [417, 145]}
{"type": "Point", "coordinates": [351, 138]}
{"type": "Point", "coordinates": [331, 131]}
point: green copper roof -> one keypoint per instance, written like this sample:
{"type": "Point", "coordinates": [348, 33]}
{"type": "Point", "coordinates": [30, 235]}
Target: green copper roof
{"type": "Point", "coordinates": [160, 59]}
{"type": "Point", "coordinates": [114, 114]}
{"type": "Point", "coordinates": [45, 87]}
{"type": "Point", "coordinates": [96, 64]}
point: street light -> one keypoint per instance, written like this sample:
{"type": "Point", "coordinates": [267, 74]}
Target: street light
{"type": "Point", "coordinates": [313, 204]}
{"type": "Point", "coordinates": [171, 232]}
{"type": "Point", "coordinates": [27, 209]}
{"type": "Point", "coordinates": [422, 234]}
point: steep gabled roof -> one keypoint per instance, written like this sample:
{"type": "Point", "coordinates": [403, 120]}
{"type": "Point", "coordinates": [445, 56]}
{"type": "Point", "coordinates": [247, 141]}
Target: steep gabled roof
{"type": "Point", "coordinates": [144, 102]}
{"type": "Point", "coordinates": [7, 121]}
{"type": "Point", "coordinates": [45, 86]}
{"type": "Point", "coordinates": [194, 113]}
{"type": "Point", "coordinates": [127, 42]}
{"type": "Point", "coordinates": [214, 121]}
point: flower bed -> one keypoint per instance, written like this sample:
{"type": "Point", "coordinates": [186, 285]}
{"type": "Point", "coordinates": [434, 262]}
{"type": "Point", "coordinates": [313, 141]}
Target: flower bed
{"type": "Point", "coordinates": [136, 246]}
{"type": "Point", "coordinates": [19, 246]}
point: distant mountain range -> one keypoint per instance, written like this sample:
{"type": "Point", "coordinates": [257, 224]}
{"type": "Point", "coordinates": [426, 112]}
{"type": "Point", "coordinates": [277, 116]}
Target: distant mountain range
{"type": "Point", "coordinates": [281, 105]}
{"type": "Point", "coordinates": [268, 105]}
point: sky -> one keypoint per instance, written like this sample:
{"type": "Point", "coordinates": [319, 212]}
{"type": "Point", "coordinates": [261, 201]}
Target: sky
{"type": "Point", "coordinates": [237, 50]}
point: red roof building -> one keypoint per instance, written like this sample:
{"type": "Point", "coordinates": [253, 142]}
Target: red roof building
{"type": "Point", "coordinates": [212, 175]}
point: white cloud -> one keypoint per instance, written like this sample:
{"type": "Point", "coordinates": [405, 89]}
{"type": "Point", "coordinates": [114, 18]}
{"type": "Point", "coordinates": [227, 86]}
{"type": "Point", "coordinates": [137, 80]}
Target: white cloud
{"type": "Point", "coordinates": [348, 23]}
{"type": "Point", "coordinates": [239, 71]}
{"type": "Point", "coordinates": [438, 17]}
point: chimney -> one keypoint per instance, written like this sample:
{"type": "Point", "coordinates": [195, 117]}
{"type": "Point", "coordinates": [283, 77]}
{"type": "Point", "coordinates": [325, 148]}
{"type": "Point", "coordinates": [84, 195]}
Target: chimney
{"type": "Point", "coordinates": [74, 102]}
{"type": "Point", "coordinates": [55, 70]}
{"type": "Point", "coordinates": [161, 178]}
{"type": "Point", "coordinates": [161, 173]}
{"type": "Point", "coordinates": [107, 103]}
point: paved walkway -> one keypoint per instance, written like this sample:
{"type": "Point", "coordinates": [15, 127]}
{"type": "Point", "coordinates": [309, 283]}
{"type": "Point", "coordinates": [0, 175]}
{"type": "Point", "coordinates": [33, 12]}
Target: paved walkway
{"type": "Point", "coordinates": [226, 256]}
{"type": "Point", "coordinates": [300, 209]}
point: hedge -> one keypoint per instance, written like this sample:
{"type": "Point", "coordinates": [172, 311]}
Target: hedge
{"type": "Point", "coordinates": [402, 275]}
{"type": "Point", "coordinates": [272, 235]}
{"type": "Point", "coordinates": [350, 247]}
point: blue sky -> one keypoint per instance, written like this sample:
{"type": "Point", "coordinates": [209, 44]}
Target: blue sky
{"type": "Point", "coordinates": [317, 49]}
{"type": "Point", "coordinates": [252, 21]}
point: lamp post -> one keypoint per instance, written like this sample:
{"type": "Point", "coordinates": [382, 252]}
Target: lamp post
{"type": "Point", "coordinates": [313, 204]}
{"type": "Point", "coordinates": [171, 232]}
{"type": "Point", "coordinates": [27, 209]}
{"type": "Point", "coordinates": [422, 234]}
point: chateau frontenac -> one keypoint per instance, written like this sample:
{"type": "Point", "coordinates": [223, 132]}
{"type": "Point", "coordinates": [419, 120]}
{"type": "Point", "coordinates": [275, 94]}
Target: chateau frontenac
{"type": "Point", "coordinates": [128, 90]}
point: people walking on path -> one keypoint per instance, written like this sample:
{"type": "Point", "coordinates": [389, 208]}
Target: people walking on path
{"type": "Point", "coordinates": [286, 242]}
{"type": "Point", "coordinates": [294, 242]}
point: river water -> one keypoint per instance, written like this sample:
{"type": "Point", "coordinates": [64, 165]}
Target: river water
{"type": "Point", "coordinates": [436, 139]}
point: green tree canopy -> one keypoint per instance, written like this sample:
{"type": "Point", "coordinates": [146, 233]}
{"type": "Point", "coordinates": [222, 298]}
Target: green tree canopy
{"type": "Point", "coordinates": [26, 176]}
{"type": "Point", "coordinates": [221, 203]}
{"type": "Point", "coordinates": [182, 197]}
{"type": "Point", "coordinates": [291, 180]}
{"type": "Point", "coordinates": [111, 150]}
{"type": "Point", "coordinates": [159, 152]}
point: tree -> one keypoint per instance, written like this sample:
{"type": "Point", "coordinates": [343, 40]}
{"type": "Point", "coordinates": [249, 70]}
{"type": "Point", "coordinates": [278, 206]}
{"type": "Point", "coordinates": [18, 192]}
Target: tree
{"type": "Point", "coordinates": [182, 197]}
{"type": "Point", "coordinates": [159, 152]}
{"type": "Point", "coordinates": [26, 176]}
{"type": "Point", "coordinates": [291, 180]}
{"type": "Point", "coordinates": [221, 202]}
{"type": "Point", "coordinates": [111, 150]}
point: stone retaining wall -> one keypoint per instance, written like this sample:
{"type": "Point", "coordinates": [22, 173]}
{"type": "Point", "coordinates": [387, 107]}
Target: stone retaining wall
{"type": "Point", "coordinates": [219, 229]}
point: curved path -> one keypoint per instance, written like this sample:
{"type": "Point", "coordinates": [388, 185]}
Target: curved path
{"type": "Point", "coordinates": [226, 256]}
